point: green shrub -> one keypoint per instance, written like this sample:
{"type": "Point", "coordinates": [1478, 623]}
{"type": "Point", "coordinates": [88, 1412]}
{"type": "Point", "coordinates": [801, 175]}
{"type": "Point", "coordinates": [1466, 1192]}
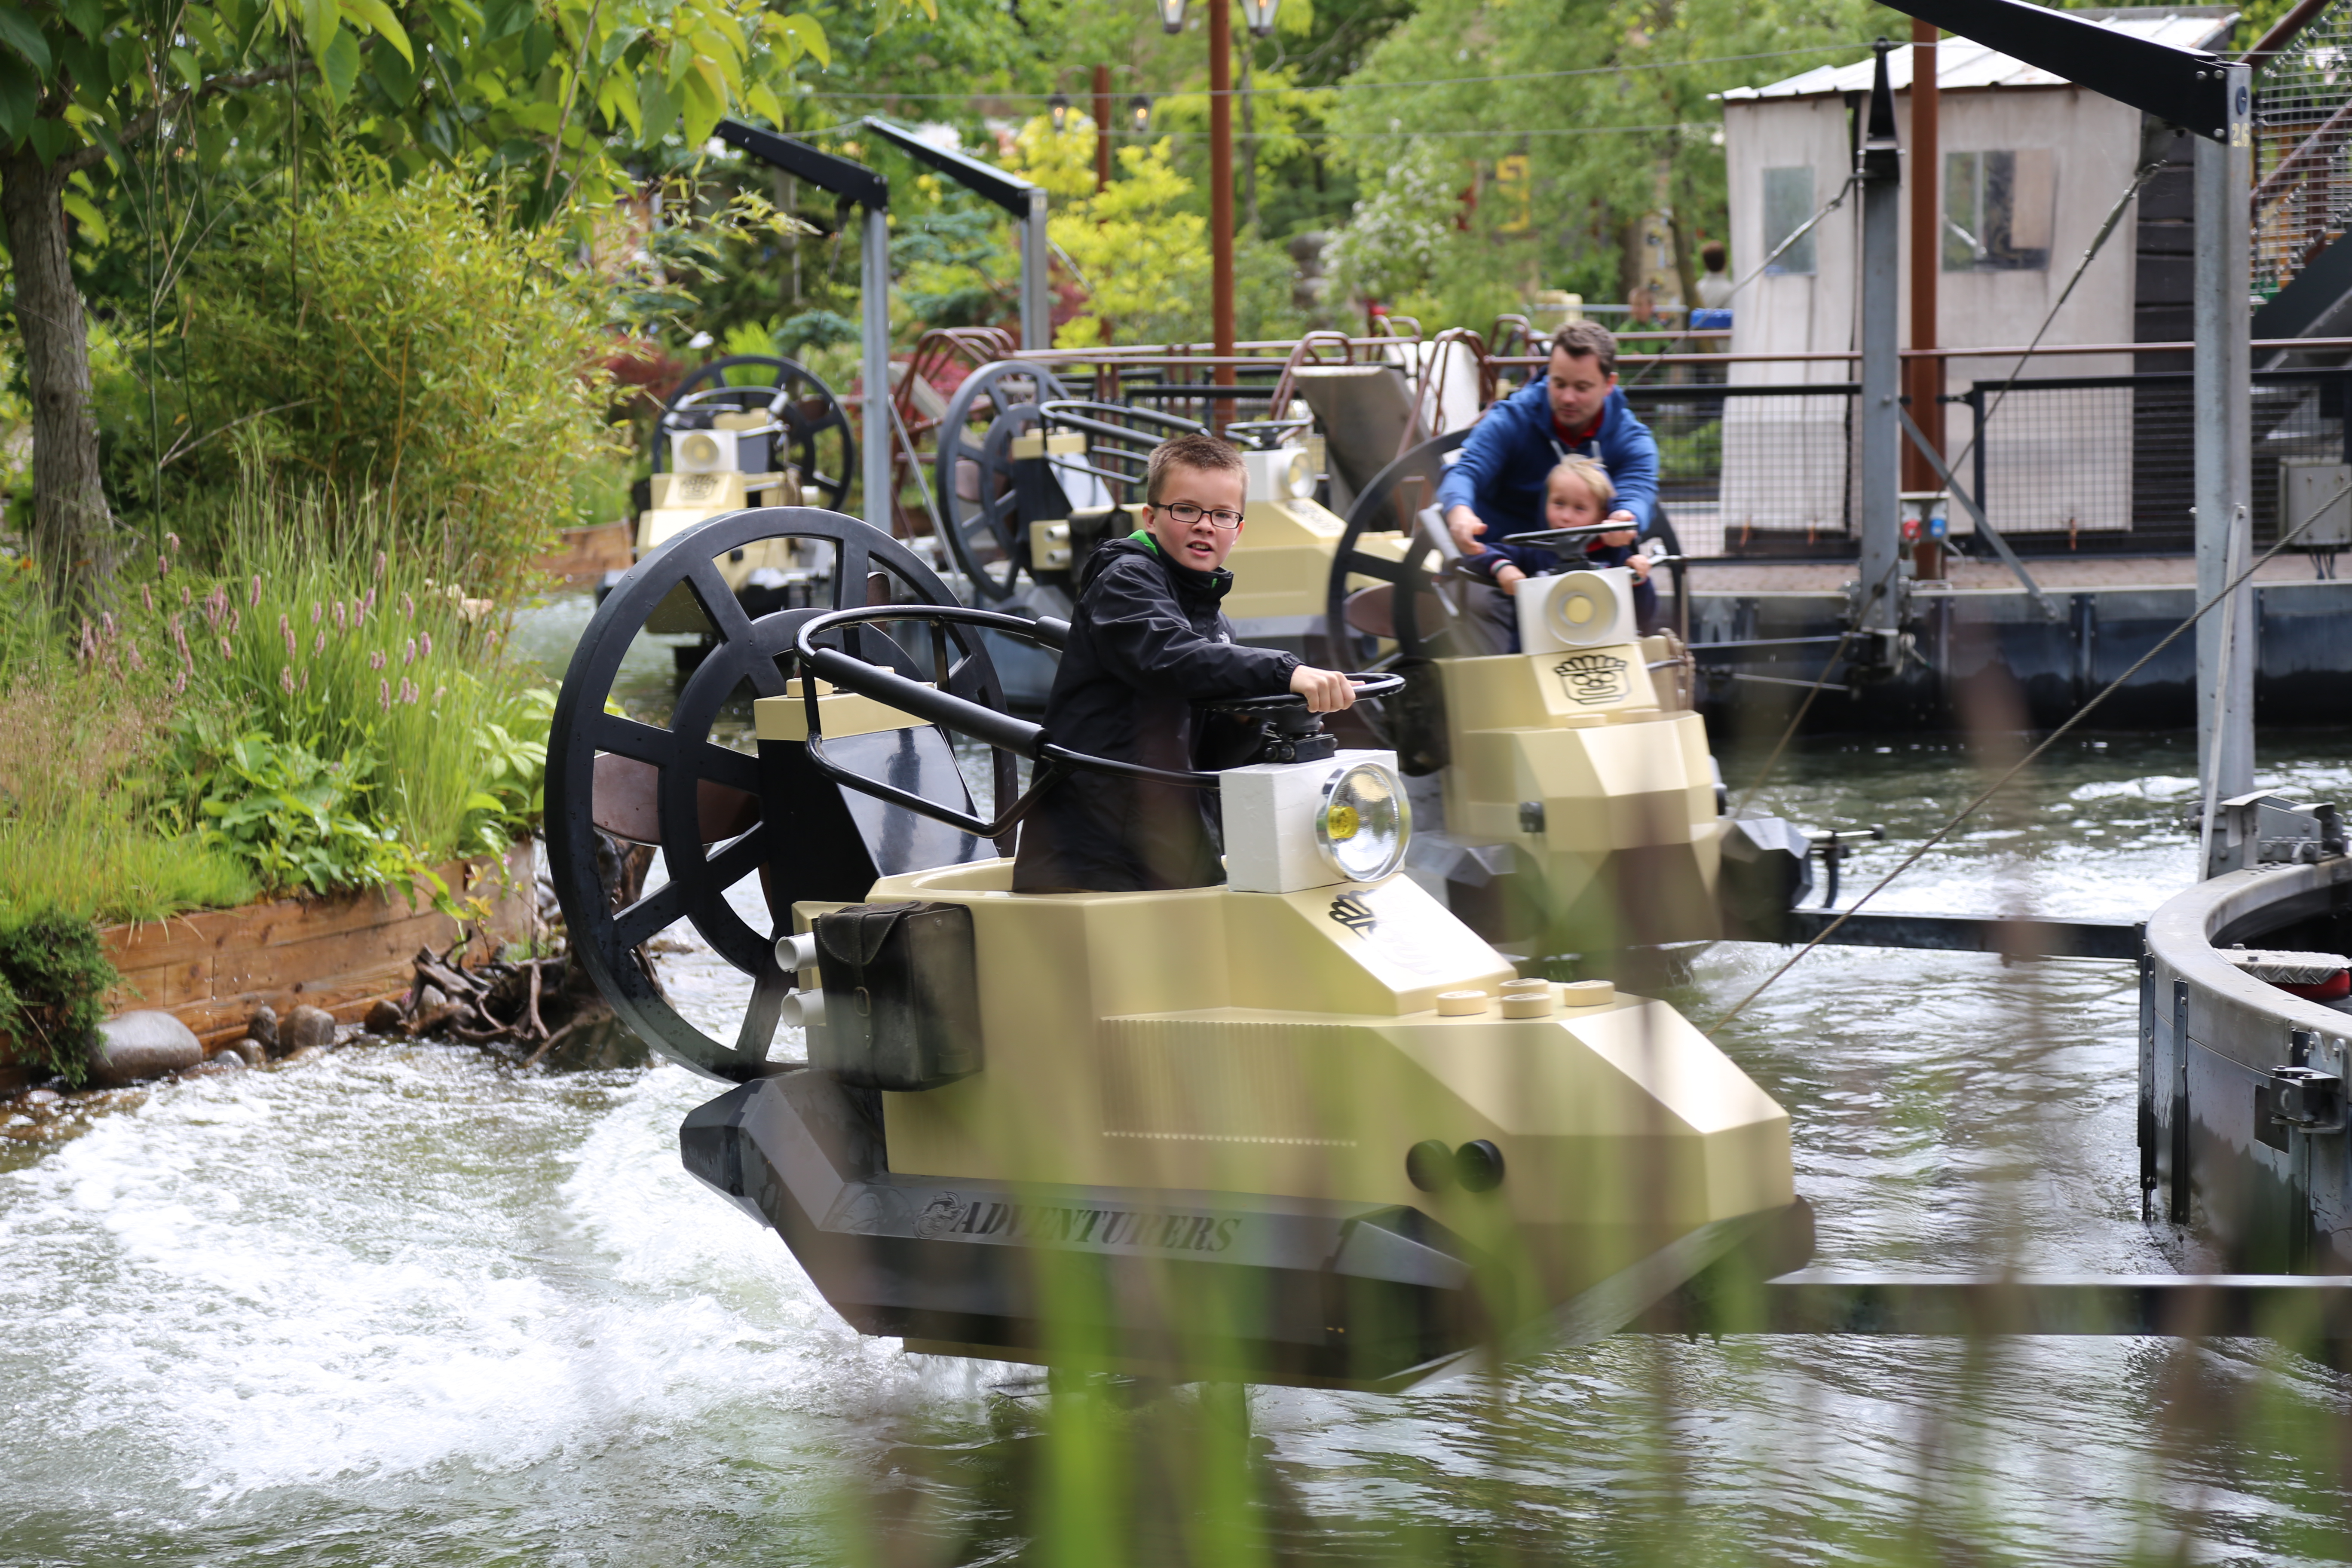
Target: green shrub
{"type": "Point", "coordinates": [423, 351]}
{"type": "Point", "coordinates": [327, 662]}
{"type": "Point", "coordinates": [81, 771]}
{"type": "Point", "coordinates": [53, 982]}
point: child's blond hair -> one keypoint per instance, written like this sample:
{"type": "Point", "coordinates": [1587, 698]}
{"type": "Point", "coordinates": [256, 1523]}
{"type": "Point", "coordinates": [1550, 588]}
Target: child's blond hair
{"type": "Point", "coordinates": [1595, 477]}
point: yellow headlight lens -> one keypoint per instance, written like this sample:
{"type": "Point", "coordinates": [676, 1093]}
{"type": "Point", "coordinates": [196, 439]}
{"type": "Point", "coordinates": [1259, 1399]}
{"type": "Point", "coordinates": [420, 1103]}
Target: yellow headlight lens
{"type": "Point", "coordinates": [1364, 823]}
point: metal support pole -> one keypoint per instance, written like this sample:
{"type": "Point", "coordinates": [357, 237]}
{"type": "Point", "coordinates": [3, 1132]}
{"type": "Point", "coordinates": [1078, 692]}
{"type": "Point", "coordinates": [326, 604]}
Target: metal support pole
{"type": "Point", "coordinates": [1925, 379]}
{"type": "Point", "coordinates": [873, 282]}
{"type": "Point", "coordinates": [1221, 199]}
{"type": "Point", "coordinates": [1036, 276]}
{"type": "Point", "coordinates": [2223, 360]}
{"type": "Point", "coordinates": [1102, 129]}
{"type": "Point", "coordinates": [1879, 520]}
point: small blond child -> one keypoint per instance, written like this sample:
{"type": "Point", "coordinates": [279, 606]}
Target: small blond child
{"type": "Point", "coordinates": [1577, 494]}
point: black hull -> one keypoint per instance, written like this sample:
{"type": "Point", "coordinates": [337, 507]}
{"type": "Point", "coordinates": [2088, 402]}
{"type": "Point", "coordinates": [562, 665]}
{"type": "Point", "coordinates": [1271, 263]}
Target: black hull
{"type": "Point", "coordinates": [1180, 1286]}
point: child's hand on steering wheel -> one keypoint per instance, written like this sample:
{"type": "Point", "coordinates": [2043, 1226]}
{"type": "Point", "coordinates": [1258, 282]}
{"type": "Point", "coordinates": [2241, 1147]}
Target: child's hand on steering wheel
{"type": "Point", "coordinates": [1325, 690]}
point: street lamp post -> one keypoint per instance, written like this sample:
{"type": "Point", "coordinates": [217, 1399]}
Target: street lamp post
{"type": "Point", "coordinates": [1260, 17]}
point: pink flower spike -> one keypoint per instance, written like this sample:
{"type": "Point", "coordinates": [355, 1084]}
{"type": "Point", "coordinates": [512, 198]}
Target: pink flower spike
{"type": "Point", "coordinates": [383, 694]}
{"type": "Point", "coordinates": [236, 619]}
{"type": "Point", "coordinates": [256, 602]}
{"type": "Point", "coordinates": [179, 683]}
{"type": "Point", "coordinates": [408, 607]}
{"type": "Point", "coordinates": [340, 622]}
{"type": "Point", "coordinates": [170, 542]}
{"type": "Point", "coordinates": [106, 620]}
{"type": "Point", "coordinates": [286, 629]}
{"type": "Point", "coordinates": [320, 646]}
{"type": "Point", "coordinates": [147, 597]}
{"type": "Point", "coordinates": [376, 660]}
{"type": "Point", "coordinates": [162, 566]}
{"type": "Point", "coordinates": [410, 656]}
{"type": "Point", "coordinates": [226, 652]}
{"type": "Point", "coordinates": [286, 678]}
{"type": "Point", "coordinates": [317, 612]}
{"type": "Point", "coordinates": [187, 596]}
{"type": "Point", "coordinates": [378, 570]}
{"type": "Point", "coordinates": [425, 644]}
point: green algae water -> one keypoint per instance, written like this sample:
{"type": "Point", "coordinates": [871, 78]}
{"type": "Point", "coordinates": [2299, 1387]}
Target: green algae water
{"type": "Point", "coordinates": [402, 1305]}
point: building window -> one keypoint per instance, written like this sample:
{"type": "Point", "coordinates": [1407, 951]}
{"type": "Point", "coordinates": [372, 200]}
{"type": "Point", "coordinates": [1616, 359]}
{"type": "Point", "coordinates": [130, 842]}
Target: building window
{"type": "Point", "coordinates": [1997, 210]}
{"type": "Point", "coordinates": [1788, 207]}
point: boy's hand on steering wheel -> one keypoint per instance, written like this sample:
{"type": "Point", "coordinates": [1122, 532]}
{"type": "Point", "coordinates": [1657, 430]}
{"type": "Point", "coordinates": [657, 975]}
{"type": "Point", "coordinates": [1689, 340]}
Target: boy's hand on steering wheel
{"type": "Point", "coordinates": [1325, 690]}
{"type": "Point", "coordinates": [1625, 535]}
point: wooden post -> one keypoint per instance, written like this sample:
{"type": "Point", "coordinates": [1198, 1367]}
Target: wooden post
{"type": "Point", "coordinates": [1220, 195]}
{"type": "Point", "coordinates": [1102, 129]}
{"type": "Point", "coordinates": [1923, 380]}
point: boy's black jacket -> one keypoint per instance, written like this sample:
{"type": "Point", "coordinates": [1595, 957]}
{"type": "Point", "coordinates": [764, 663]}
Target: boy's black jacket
{"type": "Point", "coordinates": [1146, 641]}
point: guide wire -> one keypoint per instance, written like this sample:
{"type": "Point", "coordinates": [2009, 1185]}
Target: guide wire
{"type": "Point", "coordinates": [2027, 760]}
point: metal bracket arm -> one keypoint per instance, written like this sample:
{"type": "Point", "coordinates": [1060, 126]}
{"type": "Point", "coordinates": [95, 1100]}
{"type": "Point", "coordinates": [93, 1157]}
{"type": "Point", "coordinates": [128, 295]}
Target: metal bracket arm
{"type": "Point", "coordinates": [853, 183]}
{"type": "Point", "coordinates": [2184, 86]}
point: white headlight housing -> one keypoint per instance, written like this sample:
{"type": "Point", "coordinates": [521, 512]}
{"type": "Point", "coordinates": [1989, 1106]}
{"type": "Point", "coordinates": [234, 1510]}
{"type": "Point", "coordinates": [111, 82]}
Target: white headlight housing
{"type": "Point", "coordinates": [1294, 825]}
{"type": "Point", "coordinates": [1285, 473]}
{"type": "Point", "coordinates": [1364, 823]}
{"type": "Point", "coordinates": [703, 451]}
{"type": "Point", "coordinates": [1592, 608]}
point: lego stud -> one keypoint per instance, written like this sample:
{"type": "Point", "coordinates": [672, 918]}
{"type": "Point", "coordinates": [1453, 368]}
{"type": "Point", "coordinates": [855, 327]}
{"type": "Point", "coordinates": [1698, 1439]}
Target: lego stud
{"type": "Point", "coordinates": [1478, 1166]}
{"type": "Point", "coordinates": [1429, 1165]}
{"type": "Point", "coordinates": [1588, 994]}
{"type": "Point", "coordinates": [1462, 1004]}
{"type": "Point", "coordinates": [1530, 1004]}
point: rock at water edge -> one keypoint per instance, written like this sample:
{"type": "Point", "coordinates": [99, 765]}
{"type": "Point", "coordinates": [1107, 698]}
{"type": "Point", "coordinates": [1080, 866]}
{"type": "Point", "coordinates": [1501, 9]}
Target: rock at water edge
{"type": "Point", "coordinates": [385, 1017]}
{"type": "Point", "coordinates": [249, 1052]}
{"type": "Point", "coordinates": [307, 1028]}
{"type": "Point", "coordinates": [141, 1045]}
{"type": "Point", "coordinates": [262, 1028]}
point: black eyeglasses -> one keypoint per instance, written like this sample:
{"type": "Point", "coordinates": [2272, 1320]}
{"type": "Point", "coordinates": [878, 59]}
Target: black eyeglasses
{"type": "Point", "coordinates": [1186, 514]}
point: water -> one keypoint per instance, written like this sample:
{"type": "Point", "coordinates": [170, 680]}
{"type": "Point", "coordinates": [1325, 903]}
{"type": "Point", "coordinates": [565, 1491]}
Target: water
{"type": "Point", "coordinates": [403, 1305]}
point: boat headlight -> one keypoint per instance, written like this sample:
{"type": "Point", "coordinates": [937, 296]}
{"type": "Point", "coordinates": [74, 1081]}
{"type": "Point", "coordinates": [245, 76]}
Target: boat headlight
{"type": "Point", "coordinates": [1301, 478]}
{"type": "Point", "coordinates": [1364, 823]}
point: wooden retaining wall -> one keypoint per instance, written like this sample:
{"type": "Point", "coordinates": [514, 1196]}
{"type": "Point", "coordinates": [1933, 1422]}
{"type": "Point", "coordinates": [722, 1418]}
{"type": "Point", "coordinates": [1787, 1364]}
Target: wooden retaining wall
{"type": "Point", "coordinates": [211, 970]}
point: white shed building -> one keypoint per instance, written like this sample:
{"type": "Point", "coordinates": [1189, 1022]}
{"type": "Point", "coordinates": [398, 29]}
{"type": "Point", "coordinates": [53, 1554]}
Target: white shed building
{"type": "Point", "coordinates": [2032, 165]}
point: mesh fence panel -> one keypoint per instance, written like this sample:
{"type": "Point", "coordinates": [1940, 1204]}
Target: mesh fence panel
{"type": "Point", "coordinates": [2303, 118]}
{"type": "Point", "coordinates": [1738, 461]}
{"type": "Point", "coordinates": [2113, 458]}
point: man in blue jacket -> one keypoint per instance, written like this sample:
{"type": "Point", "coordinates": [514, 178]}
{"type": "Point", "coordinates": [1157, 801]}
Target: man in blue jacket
{"type": "Point", "coordinates": [1496, 486]}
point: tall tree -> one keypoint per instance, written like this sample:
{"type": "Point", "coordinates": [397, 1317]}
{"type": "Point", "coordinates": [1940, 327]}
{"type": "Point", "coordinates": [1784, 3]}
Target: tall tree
{"type": "Point", "coordinates": [552, 93]}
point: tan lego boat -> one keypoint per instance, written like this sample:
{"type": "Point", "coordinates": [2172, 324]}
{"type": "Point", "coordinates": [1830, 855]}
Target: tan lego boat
{"type": "Point", "coordinates": [1306, 1127]}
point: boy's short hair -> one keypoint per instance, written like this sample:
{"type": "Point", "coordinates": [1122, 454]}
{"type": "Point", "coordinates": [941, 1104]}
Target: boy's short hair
{"type": "Point", "coordinates": [1712, 255]}
{"type": "Point", "coordinates": [1581, 340]}
{"type": "Point", "coordinates": [1193, 449]}
{"type": "Point", "coordinates": [1595, 477]}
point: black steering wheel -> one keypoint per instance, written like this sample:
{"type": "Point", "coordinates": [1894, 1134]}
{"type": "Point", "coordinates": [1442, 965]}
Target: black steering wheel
{"type": "Point", "coordinates": [810, 422]}
{"type": "Point", "coordinates": [702, 802]}
{"type": "Point", "coordinates": [1370, 688]}
{"type": "Point", "coordinates": [992, 727]}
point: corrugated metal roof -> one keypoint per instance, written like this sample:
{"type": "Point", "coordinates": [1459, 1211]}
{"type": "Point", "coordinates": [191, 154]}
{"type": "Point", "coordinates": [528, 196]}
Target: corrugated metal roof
{"type": "Point", "coordinates": [1960, 64]}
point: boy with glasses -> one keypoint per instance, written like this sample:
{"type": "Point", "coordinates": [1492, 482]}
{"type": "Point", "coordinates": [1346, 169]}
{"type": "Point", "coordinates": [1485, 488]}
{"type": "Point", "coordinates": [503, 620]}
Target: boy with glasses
{"type": "Point", "coordinates": [1147, 642]}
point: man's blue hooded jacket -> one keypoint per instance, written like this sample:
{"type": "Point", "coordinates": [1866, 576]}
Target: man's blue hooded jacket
{"type": "Point", "coordinates": [1502, 467]}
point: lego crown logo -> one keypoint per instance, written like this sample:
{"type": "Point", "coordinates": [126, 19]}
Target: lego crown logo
{"type": "Point", "coordinates": [1593, 678]}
